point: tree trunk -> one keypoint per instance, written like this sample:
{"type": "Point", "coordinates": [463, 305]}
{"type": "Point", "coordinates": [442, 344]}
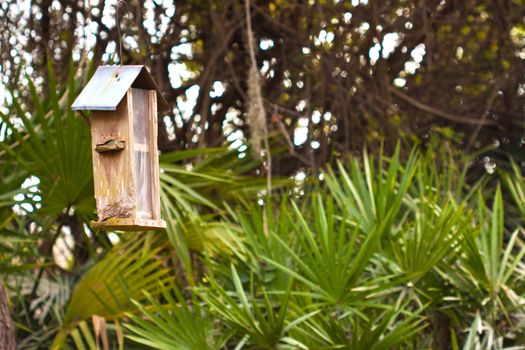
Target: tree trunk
{"type": "Point", "coordinates": [7, 331]}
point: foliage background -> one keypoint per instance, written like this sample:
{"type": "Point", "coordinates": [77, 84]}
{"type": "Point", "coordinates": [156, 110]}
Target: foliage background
{"type": "Point", "coordinates": [335, 74]}
{"type": "Point", "coordinates": [365, 241]}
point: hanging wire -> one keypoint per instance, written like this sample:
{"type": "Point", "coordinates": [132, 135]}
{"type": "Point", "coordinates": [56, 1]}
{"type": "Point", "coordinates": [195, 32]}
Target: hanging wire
{"type": "Point", "coordinates": [121, 2]}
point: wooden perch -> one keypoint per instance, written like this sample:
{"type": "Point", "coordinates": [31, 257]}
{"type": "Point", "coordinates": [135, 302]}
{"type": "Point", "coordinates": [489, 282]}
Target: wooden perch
{"type": "Point", "coordinates": [110, 146]}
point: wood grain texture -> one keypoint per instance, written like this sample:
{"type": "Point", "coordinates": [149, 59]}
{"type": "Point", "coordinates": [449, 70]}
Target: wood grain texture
{"type": "Point", "coordinates": [129, 224]}
{"type": "Point", "coordinates": [155, 185]}
{"type": "Point", "coordinates": [113, 171]}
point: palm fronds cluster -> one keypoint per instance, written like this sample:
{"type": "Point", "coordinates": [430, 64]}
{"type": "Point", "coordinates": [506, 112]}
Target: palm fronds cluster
{"type": "Point", "coordinates": [374, 252]}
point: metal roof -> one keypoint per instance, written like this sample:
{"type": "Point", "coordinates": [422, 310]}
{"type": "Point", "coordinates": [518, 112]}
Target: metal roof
{"type": "Point", "coordinates": [109, 85]}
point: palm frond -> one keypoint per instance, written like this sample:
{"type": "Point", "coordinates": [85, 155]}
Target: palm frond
{"type": "Point", "coordinates": [174, 324]}
{"type": "Point", "coordinates": [108, 288]}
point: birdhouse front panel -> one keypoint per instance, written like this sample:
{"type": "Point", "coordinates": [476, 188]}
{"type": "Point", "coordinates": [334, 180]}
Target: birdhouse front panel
{"type": "Point", "coordinates": [111, 135]}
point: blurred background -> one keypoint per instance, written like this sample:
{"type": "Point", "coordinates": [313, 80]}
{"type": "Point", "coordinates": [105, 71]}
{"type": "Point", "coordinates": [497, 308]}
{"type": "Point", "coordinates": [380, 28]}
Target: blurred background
{"type": "Point", "coordinates": [334, 175]}
{"type": "Point", "coordinates": [335, 75]}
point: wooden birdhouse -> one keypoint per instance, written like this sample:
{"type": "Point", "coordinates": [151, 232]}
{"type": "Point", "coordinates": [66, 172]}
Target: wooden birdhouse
{"type": "Point", "coordinates": [124, 101]}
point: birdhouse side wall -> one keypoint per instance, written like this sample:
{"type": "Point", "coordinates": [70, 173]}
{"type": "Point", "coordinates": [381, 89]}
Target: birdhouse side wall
{"type": "Point", "coordinates": [113, 167]}
{"type": "Point", "coordinates": [153, 102]}
{"type": "Point", "coordinates": [144, 112]}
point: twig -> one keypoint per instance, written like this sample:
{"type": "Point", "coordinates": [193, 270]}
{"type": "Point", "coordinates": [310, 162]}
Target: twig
{"type": "Point", "coordinates": [288, 139]}
{"type": "Point", "coordinates": [438, 112]}
{"type": "Point", "coordinates": [484, 117]}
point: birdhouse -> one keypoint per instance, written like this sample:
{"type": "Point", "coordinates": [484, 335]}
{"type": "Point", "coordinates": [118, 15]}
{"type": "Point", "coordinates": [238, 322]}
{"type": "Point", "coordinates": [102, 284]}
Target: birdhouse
{"type": "Point", "coordinates": [124, 101]}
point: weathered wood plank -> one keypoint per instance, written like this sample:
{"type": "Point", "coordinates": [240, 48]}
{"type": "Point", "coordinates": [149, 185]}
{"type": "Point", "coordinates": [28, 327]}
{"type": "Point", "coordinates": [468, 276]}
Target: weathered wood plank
{"type": "Point", "coordinates": [129, 224]}
{"type": "Point", "coordinates": [113, 171]}
{"type": "Point", "coordinates": [155, 185]}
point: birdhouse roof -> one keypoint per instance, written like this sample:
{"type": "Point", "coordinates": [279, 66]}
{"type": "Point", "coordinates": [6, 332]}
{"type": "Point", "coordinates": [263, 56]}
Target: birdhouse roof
{"type": "Point", "coordinates": [108, 86]}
